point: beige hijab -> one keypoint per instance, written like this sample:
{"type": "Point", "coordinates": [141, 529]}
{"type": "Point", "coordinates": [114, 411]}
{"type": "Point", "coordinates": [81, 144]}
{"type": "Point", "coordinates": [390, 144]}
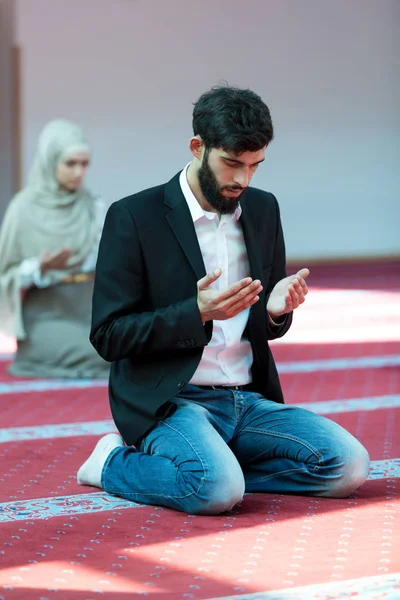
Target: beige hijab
{"type": "Point", "coordinates": [43, 217]}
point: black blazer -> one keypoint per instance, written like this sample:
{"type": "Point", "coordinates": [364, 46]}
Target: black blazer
{"type": "Point", "coordinates": [145, 318]}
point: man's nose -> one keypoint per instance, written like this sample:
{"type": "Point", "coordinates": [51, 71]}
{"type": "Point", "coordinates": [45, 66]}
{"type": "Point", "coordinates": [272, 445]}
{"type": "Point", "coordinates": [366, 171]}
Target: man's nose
{"type": "Point", "coordinates": [242, 177]}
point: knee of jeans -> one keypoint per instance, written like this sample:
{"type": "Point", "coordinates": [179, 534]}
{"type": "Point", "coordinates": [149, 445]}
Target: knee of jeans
{"type": "Point", "coordinates": [355, 472]}
{"type": "Point", "coordinates": [219, 495]}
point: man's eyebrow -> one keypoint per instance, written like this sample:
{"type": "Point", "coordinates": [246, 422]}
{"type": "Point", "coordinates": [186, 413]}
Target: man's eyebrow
{"type": "Point", "coordinates": [236, 160]}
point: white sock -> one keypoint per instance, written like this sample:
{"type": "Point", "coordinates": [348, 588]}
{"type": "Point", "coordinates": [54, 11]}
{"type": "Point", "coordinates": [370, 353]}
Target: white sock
{"type": "Point", "coordinates": [90, 471]}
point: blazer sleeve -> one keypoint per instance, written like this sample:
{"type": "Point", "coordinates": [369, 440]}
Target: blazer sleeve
{"type": "Point", "coordinates": [120, 328]}
{"type": "Point", "coordinates": [278, 272]}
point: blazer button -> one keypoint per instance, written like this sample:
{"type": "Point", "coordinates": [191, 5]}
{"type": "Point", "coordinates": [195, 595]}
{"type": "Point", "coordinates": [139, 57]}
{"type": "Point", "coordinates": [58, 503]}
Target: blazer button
{"type": "Point", "coordinates": [181, 385]}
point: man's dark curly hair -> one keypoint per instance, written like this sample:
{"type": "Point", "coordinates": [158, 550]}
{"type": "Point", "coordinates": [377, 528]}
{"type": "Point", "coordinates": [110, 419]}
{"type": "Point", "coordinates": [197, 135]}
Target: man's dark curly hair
{"type": "Point", "coordinates": [234, 119]}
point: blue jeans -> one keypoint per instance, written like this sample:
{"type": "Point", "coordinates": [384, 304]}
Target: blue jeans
{"type": "Point", "coordinates": [219, 444]}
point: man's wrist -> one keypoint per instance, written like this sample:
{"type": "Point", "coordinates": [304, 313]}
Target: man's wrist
{"type": "Point", "coordinates": [276, 319]}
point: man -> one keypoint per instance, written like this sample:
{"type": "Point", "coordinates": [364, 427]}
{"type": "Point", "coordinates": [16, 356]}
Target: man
{"type": "Point", "coordinates": [190, 286]}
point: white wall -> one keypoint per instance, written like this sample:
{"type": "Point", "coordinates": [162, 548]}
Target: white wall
{"type": "Point", "coordinates": [129, 70]}
{"type": "Point", "coordinates": [6, 99]}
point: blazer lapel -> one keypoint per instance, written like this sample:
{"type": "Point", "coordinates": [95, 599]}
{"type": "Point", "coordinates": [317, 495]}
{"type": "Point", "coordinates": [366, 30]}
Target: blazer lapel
{"type": "Point", "coordinates": [250, 234]}
{"type": "Point", "coordinates": [181, 223]}
{"type": "Point", "coordinates": [249, 228]}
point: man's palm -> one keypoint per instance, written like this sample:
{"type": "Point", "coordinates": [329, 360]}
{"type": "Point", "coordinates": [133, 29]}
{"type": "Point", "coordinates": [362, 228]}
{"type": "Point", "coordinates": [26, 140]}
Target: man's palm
{"type": "Point", "coordinates": [288, 293]}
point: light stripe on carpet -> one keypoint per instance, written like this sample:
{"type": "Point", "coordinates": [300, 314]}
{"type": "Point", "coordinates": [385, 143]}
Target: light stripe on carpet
{"type": "Point", "coordinates": [11, 434]}
{"type": "Point", "coordinates": [380, 586]}
{"type": "Point", "coordinates": [331, 407]}
{"type": "Point", "coordinates": [43, 508]}
{"type": "Point", "coordinates": [339, 364]}
{"type": "Point", "coordinates": [307, 366]}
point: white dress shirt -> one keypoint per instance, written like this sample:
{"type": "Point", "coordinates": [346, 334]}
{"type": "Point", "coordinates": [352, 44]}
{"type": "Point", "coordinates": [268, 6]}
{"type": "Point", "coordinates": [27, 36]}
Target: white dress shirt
{"type": "Point", "coordinates": [228, 357]}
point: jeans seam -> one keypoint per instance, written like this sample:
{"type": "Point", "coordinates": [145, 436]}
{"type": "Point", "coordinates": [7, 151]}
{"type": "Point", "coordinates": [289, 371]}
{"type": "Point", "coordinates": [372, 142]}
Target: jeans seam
{"type": "Point", "coordinates": [293, 439]}
{"type": "Point", "coordinates": [279, 473]}
{"type": "Point", "coordinates": [237, 409]}
{"type": "Point", "coordinates": [128, 494]}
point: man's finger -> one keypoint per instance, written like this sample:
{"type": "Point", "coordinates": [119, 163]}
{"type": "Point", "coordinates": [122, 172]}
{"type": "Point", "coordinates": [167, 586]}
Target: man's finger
{"type": "Point", "coordinates": [303, 273]}
{"type": "Point", "coordinates": [293, 301]}
{"type": "Point", "coordinates": [240, 305]}
{"type": "Point", "coordinates": [237, 287]}
{"type": "Point", "coordinates": [235, 305]}
{"type": "Point", "coordinates": [300, 286]}
{"type": "Point", "coordinates": [206, 281]}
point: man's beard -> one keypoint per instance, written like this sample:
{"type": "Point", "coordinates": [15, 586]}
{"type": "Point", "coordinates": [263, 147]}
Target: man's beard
{"type": "Point", "coordinates": [211, 190]}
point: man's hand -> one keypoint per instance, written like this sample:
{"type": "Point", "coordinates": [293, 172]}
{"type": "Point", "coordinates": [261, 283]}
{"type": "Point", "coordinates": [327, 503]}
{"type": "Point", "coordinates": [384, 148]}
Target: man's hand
{"type": "Point", "coordinates": [55, 261]}
{"type": "Point", "coordinates": [227, 303]}
{"type": "Point", "coordinates": [288, 294]}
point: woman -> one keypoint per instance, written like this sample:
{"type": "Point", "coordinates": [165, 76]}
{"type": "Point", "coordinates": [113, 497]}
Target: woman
{"type": "Point", "coordinates": [48, 249]}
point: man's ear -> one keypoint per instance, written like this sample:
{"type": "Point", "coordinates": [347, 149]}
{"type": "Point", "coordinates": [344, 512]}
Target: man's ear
{"type": "Point", "coordinates": [196, 146]}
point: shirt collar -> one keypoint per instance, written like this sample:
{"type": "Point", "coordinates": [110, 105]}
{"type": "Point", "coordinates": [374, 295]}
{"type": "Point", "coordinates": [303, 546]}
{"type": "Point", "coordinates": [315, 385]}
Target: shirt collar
{"type": "Point", "coordinates": [195, 209]}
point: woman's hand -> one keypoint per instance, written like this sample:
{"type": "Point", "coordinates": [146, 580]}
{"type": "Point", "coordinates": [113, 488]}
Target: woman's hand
{"type": "Point", "coordinates": [55, 261]}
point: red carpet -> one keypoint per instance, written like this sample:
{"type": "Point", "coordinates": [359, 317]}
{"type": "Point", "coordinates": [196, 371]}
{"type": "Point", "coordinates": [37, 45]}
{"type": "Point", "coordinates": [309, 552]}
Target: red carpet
{"type": "Point", "coordinates": [64, 542]}
{"type": "Point", "coordinates": [50, 407]}
{"type": "Point", "coordinates": [169, 554]}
